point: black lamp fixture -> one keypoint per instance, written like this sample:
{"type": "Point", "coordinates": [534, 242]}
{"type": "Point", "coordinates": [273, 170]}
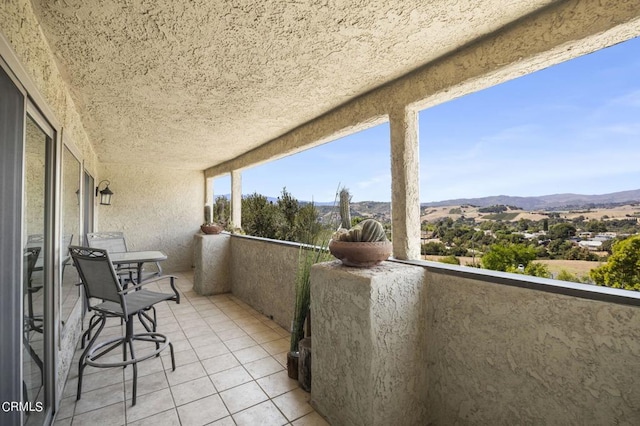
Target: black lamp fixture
{"type": "Point", "coordinates": [105, 194]}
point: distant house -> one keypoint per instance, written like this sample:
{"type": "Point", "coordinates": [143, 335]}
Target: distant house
{"type": "Point", "coordinates": [594, 245]}
{"type": "Point", "coordinates": [604, 236]}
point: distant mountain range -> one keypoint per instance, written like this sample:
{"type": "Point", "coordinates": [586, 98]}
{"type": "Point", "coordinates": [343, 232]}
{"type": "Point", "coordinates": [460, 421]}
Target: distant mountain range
{"type": "Point", "coordinates": [546, 202]}
{"type": "Point", "coordinates": [543, 202]}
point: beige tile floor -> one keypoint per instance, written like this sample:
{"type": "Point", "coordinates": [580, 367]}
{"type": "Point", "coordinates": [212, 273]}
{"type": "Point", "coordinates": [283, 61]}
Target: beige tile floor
{"type": "Point", "coordinates": [230, 370]}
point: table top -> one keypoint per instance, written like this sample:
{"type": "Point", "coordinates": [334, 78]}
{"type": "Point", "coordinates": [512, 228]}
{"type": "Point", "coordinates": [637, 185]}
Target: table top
{"type": "Point", "coordinates": [137, 256]}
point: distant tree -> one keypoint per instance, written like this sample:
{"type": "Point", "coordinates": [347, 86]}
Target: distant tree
{"type": "Point", "coordinates": [498, 208]}
{"type": "Point", "coordinates": [565, 275]}
{"type": "Point", "coordinates": [260, 217]}
{"type": "Point", "coordinates": [561, 231]}
{"type": "Point", "coordinates": [501, 257]}
{"type": "Point", "coordinates": [452, 260]}
{"type": "Point", "coordinates": [289, 208]}
{"type": "Point", "coordinates": [596, 226]}
{"type": "Point", "coordinates": [580, 253]}
{"type": "Point", "coordinates": [287, 219]}
{"type": "Point", "coordinates": [622, 269]}
{"type": "Point", "coordinates": [535, 269]}
{"type": "Point", "coordinates": [607, 245]}
{"type": "Point", "coordinates": [433, 248]}
{"type": "Point", "coordinates": [524, 224]}
{"type": "Point", "coordinates": [557, 248]}
{"type": "Point", "coordinates": [457, 251]}
{"type": "Point", "coordinates": [308, 227]}
{"type": "Point", "coordinates": [578, 220]}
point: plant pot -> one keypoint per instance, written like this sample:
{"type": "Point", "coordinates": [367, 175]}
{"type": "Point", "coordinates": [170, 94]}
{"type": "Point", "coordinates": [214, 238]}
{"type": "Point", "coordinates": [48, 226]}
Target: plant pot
{"type": "Point", "coordinates": [304, 364]}
{"type": "Point", "coordinates": [292, 364]}
{"type": "Point", "coordinates": [360, 254]}
{"type": "Point", "coordinates": [211, 229]}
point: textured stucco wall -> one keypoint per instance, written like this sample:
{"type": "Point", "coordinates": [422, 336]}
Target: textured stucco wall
{"type": "Point", "coordinates": [68, 343]}
{"type": "Point", "coordinates": [471, 351]}
{"type": "Point", "coordinates": [21, 30]}
{"type": "Point", "coordinates": [369, 346]}
{"type": "Point", "coordinates": [263, 275]}
{"type": "Point", "coordinates": [212, 263]}
{"type": "Point", "coordinates": [156, 208]}
{"type": "Point", "coordinates": [505, 355]}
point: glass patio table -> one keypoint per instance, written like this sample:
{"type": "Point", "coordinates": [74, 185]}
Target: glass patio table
{"type": "Point", "coordinates": [138, 258]}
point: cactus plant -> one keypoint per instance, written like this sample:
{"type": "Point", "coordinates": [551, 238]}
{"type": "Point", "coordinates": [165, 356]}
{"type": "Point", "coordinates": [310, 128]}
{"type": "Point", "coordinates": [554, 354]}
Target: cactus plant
{"type": "Point", "coordinates": [345, 209]}
{"type": "Point", "coordinates": [372, 231]}
{"type": "Point", "coordinates": [363, 246]}
{"type": "Point", "coordinates": [369, 230]}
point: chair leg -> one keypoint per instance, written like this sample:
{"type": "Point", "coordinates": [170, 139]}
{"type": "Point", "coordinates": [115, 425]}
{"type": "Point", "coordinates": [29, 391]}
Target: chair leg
{"type": "Point", "coordinates": [81, 363]}
{"type": "Point", "coordinates": [142, 315]}
{"type": "Point", "coordinates": [87, 334]}
{"type": "Point", "coordinates": [129, 340]}
{"type": "Point", "coordinates": [173, 360]}
{"type": "Point", "coordinates": [135, 374]}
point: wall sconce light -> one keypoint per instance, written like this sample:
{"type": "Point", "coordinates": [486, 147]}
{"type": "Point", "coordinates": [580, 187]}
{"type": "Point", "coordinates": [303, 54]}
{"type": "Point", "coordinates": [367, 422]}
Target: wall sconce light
{"type": "Point", "coordinates": [105, 194]}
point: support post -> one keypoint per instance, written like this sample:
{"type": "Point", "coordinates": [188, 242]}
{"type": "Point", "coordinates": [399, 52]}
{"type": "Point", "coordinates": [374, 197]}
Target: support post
{"type": "Point", "coordinates": [208, 194]}
{"type": "Point", "coordinates": [405, 184]}
{"type": "Point", "coordinates": [369, 344]}
{"type": "Point", "coordinates": [236, 198]}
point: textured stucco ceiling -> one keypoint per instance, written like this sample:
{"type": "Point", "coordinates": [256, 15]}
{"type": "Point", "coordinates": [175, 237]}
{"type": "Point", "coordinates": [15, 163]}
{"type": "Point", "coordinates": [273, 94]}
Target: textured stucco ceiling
{"type": "Point", "coordinates": [191, 84]}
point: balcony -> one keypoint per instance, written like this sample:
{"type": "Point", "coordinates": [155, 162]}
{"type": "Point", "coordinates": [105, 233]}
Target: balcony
{"type": "Point", "coordinates": [425, 342]}
{"type": "Point", "coordinates": [160, 101]}
{"type": "Point", "coordinates": [230, 369]}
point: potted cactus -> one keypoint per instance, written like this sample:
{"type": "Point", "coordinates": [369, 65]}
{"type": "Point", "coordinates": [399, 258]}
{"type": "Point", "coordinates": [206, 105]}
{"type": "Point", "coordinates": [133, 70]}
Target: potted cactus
{"type": "Point", "coordinates": [363, 246]}
{"type": "Point", "coordinates": [213, 225]}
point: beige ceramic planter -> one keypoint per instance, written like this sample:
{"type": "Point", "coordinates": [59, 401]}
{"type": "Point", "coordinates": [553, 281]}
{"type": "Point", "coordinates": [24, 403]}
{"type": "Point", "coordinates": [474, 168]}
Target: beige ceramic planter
{"type": "Point", "coordinates": [360, 255]}
{"type": "Point", "coordinates": [211, 229]}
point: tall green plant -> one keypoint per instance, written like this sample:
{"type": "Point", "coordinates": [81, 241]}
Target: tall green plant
{"type": "Point", "coordinates": [307, 257]}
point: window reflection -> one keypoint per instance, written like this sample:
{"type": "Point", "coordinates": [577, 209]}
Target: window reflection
{"type": "Point", "coordinates": [34, 273]}
{"type": "Point", "coordinates": [70, 230]}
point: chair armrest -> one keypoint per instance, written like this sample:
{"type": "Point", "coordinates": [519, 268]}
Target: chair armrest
{"type": "Point", "coordinates": [172, 283]}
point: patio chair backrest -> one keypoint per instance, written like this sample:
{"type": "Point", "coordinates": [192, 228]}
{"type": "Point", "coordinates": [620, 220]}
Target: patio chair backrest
{"type": "Point", "coordinates": [67, 240]}
{"type": "Point", "coordinates": [30, 257]}
{"type": "Point", "coordinates": [113, 242]}
{"type": "Point", "coordinates": [35, 240]}
{"type": "Point", "coordinates": [96, 271]}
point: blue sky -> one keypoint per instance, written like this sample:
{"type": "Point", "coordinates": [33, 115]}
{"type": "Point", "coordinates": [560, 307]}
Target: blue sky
{"type": "Point", "coordinates": [573, 127]}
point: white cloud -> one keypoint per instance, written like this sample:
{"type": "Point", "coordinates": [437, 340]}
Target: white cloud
{"type": "Point", "coordinates": [631, 99]}
{"type": "Point", "coordinates": [375, 180]}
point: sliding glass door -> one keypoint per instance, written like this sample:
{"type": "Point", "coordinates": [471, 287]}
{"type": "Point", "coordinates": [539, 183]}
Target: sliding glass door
{"type": "Point", "coordinates": [37, 287]}
{"type": "Point", "coordinates": [12, 107]}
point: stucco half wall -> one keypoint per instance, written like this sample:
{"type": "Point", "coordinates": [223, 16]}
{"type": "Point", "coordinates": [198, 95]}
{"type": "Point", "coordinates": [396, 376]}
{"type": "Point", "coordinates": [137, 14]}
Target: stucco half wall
{"type": "Point", "coordinates": [259, 271]}
{"type": "Point", "coordinates": [472, 348]}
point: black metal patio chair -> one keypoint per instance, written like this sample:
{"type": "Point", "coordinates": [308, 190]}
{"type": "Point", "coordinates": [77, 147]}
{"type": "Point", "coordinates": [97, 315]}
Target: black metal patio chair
{"type": "Point", "coordinates": [32, 323]}
{"type": "Point", "coordinates": [106, 297]}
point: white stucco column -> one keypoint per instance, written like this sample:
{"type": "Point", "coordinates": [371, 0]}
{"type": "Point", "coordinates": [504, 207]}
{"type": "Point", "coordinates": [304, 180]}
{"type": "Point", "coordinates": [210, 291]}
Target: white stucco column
{"type": "Point", "coordinates": [369, 344]}
{"type": "Point", "coordinates": [208, 194]}
{"type": "Point", "coordinates": [405, 184]}
{"type": "Point", "coordinates": [236, 198]}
